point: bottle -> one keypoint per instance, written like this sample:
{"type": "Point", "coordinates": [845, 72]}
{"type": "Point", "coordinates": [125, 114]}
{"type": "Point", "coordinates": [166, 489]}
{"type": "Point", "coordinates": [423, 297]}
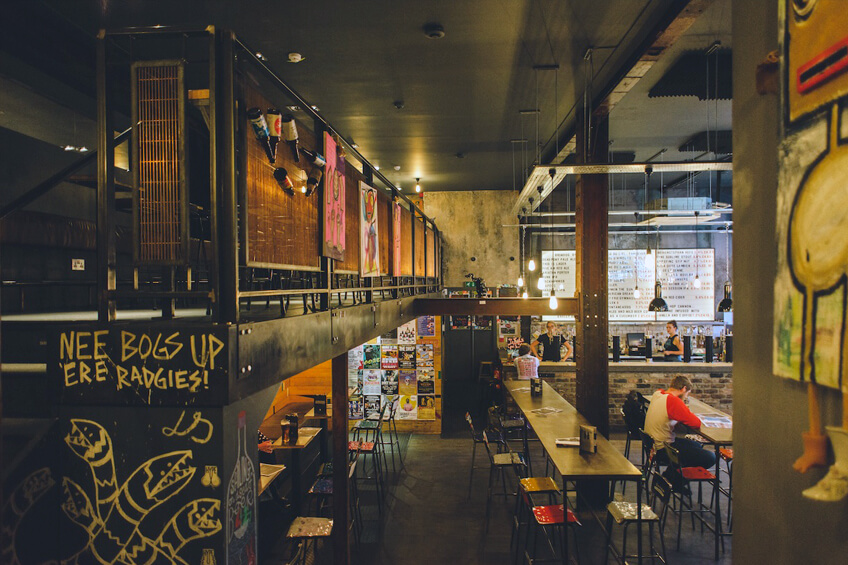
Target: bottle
{"type": "Point", "coordinates": [313, 180]}
{"type": "Point", "coordinates": [260, 130]}
{"type": "Point", "coordinates": [282, 177]}
{"type": "Point", "coordinates": [289, 129]}
{"type": "Point", "coordinates": [275, 127]}
{"type": "Point", "coordinates": [241, 504]}
{"type": "Point", "coordinates": [314, 157]}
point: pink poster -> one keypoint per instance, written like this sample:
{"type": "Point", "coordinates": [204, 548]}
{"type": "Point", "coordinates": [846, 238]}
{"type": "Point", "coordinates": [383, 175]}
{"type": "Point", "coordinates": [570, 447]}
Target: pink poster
{"type": "Point", "coordinates": [369, 250]}
{"type": "Point", "coordinates": [396, 214]}
{"type": "Point", "coordinates": [334, 201]}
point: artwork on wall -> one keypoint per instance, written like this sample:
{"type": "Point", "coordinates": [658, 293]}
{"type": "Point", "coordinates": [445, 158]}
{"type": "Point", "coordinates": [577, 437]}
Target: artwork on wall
{"type": "Point", "coordinates": [334, 201]}
{"type": "Point", "coordinates": [390, 382]}
{"type": "Point", "coordinates": [810, 293]}
{"type": "Point", "coordinates": [372, 405]}
{"type": "Point", "coordinates": [426, 407]}
{"type": "Point", "coordinates": [371, 379]}
{"type": "Point", "coordinates": [406, 356]}
{"type": "Point", "coordinates": [389, 356]}
{"type": "Point", "coordinates": [408, 408]}
{"type": "Point", "coordinates": [371, 356]}
{"type": "Point", "coordinates": [396, 231]}
{"type": "Point", "coordinates": [369, 241]}
{"type": "Point", "coordinates": [407, 383]}
{"type": "Point", "coordinates": [406, 333]}
{"type": "Point", "coordinates": [426, 326]}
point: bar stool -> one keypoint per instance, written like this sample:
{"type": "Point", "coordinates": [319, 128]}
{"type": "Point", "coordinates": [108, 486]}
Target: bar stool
{"type": "Point", "coordinates": [625, 513]}
{"type": "Point", "coordinates": [393, 437]}
{"type": "Point", "coordinates": [528, 487]}
{"type": "Point", "coordinates": [549, 519]}
{"type": "Point", "coordinates": [322, 491]}
{"type": "Point", "coordinates": [682, 492]}
{"type": "Point", "coordinates": [308, 529]}
{"type": "Point", "coordinates": [476, 438]}
{"type": "Point", "coordinates": [499, 463]}
{"type": "Point", "coordinates": [373, 425]}
{"type": "Point", "coordinates": [361, 445]}
{"type": "Point", "coordinates": [726, 454]}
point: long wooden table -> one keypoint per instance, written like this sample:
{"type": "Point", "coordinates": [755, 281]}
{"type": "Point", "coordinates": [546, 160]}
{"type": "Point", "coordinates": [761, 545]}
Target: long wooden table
{"type": "Point", "coordinates": [607, 464]}
{"type": "Point", "coordinates": [718, 437]}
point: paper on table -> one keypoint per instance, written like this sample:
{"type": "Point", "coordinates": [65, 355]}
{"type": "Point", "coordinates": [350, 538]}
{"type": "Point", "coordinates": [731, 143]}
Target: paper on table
{"type": "Point", "coordinates": [521, 389]}
{"type": "Point", "coordinates": [545, 411]}
{"type": "Point", "coordinates": [268, 470]}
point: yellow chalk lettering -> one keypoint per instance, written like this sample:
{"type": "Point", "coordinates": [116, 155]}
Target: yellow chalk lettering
{"type": "Point", "coordinates": [70, 376]}
{"type": "Point", "coordinates": [66, 345]}
{"type": "Point", "coordinates": [180, 379]}
{"type": "Point", "coordinates": [136, 376]}
{"type": "Point", "coordinates": [100, 371]}
{"type": "Point", "coordinates": [122, 377]}
{"type": "Point", "coordinates": [127, 349]}
{"type": "Point", "coordinates": [199, 361]}
{"type": "Point", "coordinates": [82, 345]}
{"type": "Point", "coordinates": [172, 341]}
{"type": "Point", "coordinates": [195, 379]}
{"type": "Point", "coordinates": [99, 344]}
{"type": "Point", "coordinates": [144, 349]}
{"type": "Point", "coordinates": [160, 379]}
{"type": "Point", "coordinates": [215, 347]}
{"type": "Point", "coordinates": [85, 372]}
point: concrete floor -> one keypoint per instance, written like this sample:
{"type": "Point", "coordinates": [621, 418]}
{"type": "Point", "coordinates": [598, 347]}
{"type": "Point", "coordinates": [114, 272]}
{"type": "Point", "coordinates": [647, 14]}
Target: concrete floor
{"type": "Point", "coordinates": [429, 518]}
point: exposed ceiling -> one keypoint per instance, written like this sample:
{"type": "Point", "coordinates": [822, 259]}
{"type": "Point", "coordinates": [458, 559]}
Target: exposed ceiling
{"type": "Point", "coordinates": [462, 94]}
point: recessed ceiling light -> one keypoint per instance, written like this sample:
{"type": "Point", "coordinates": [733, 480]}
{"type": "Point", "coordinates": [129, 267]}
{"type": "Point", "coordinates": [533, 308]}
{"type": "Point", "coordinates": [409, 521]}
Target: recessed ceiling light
{"type": "Point", "coordinates": [316, 108]}
{"type": "Point", "coordinates": [397, 167]}
{"type": "Point", "coordinates": [260, 56]}
{"type": "Point", "coordinates": [434, 31]}
{"type": "Point", "coordinates": [376, 167]}
{"type": "Point", "coordinates": [296, 57]}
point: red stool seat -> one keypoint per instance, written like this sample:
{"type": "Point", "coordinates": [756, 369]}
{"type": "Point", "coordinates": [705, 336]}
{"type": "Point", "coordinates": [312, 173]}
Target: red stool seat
{"type": "Point", "coordinates": [553, 514]}
{"type": "Point", "coordinates": [726, 453]}
{"type": "Point", "coordinates": [697, 474]}
{"type": "Point", "coordinates": [366, 446]}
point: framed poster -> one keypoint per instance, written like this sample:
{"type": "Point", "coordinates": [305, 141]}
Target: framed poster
{"type": "Point", "coordinates": [396, 231]}
{"type": "Point", "coordinates": [369, 253]}
{"type": "Point", "coordinates": [334, 201]}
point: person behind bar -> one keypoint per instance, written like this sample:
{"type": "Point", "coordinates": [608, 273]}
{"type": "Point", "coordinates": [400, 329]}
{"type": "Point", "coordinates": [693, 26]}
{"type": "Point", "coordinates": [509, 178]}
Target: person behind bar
{"type": "Point", "coordinates": [526, 364]}
{"type": "Point", "coordinates": [552, 343]}
{"type": "Point", "coordinates": [666, 413]}
{"type": "Point", "coordinates": [672, 348]}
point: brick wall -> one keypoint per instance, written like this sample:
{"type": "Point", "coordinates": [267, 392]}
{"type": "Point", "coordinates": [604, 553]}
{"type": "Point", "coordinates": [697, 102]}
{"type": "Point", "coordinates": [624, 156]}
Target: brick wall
{"type": "Point", "coordinates": [715, 389]}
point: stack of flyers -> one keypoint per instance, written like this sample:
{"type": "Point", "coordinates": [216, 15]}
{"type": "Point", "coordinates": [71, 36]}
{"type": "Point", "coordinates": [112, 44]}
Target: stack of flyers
{"type": "Point", "coordinates": [389, 356]}
{"type": "Point", "coordinates": [406, 356]}
{"type": "Point", "coordinates": [390, 382]}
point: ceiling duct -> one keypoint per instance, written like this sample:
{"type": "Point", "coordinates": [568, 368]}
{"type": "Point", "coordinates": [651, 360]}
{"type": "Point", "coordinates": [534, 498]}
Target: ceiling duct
{"type": "Point", "coordinates": [686, 77]}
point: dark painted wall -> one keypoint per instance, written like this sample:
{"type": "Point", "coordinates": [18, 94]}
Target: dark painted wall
{"type": "Point", "coordinates": [773, 523]}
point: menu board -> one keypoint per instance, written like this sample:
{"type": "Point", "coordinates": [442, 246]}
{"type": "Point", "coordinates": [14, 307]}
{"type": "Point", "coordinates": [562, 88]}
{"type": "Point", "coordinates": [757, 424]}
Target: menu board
{"type": "Point", "coordinates": [676, 269]}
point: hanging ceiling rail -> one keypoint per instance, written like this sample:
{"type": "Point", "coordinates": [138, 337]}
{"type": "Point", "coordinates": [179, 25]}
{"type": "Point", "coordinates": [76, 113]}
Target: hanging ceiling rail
{"type": "Point", "coordinates": [541, 175]}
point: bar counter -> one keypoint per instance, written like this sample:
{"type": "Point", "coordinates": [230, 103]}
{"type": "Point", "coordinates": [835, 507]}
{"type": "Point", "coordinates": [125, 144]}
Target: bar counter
{"type": "Point", "coordinates": [712, 382]}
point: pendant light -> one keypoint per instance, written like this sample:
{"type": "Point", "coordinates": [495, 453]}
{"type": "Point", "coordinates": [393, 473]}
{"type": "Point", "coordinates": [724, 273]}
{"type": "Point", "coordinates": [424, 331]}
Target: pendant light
{"type": "Point", "coordinates": [521, 257]}
{"type": "Point", "coordinates": [658, 304]}
{"type": "Point", "coordinates": [418, 185]}
{"type": "Point", "coordinates": [541, 282]}
{"type": "Point", "coordinates": [637, 294]}
{"type": "Point", "coordinates": [531, 264]}
{"type": "Point", "coordinates": [552, 303]}
{"type": "Point", "coordinates": [697, 282]}
{"type": "Point", "coordinates": [726, 305]}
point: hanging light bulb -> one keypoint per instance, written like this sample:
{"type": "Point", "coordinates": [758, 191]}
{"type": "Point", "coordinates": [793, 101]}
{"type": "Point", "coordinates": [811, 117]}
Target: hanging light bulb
{"type": "Point", "coordinates": [637, 293]}
{"type": "Point", "coordinates": [649, 257]}
{"type": "Point", "coordinates": [697, 282]}
{"type": "Point", "coordinates": [552, 303]}
{"type": "Point", "coordinates": [520, 281]}
{"type": "Point", "coordinates": [524, 294]}
{"type": "Point", "coordinates": [541, 284]}
{"type": "Point", "coordinates": [417, 185]}
{"type": "Point", "coordinates": [531, 266]}
{"type": "Point", "coordinates": [561, 287]}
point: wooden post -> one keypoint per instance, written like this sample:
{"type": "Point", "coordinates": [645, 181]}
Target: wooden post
{"type": "Point", "coordinates": [341, 537]}
{"type": "Point", "coordinates": [592, 201]}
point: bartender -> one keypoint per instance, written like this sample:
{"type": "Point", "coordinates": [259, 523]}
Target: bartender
{"type": "Point", "coordinates": [672, 348]}
{"type": "Point", "coordinates": [552, 343]}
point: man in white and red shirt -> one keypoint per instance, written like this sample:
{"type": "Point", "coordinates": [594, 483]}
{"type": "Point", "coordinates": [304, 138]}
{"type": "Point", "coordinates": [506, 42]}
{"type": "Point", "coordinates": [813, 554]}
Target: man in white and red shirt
{"type": "Point", "coordinates": [526, 364]}
{"type": "Point", "coordinates": [667, 410]}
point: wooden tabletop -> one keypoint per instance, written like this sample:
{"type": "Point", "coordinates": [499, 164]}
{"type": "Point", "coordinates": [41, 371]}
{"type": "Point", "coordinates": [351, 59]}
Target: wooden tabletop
{"type": "Point", "coordinates": [304, 437]}
{"type": "Point", "coordinates": [607, 463]}
{"type": "Point", "coordinates": [718, 436]}
{"type": "Point", "coordinates": [267, 474]}
{"type": "Point", "coordinates": [311, 415]}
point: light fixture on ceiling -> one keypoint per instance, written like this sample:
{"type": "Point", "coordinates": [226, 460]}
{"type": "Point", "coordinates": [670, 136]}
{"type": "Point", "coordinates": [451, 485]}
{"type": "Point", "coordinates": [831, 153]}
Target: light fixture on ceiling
{"type": "Point", "coordinates": [541, 282]}
{"type": "Point", "coordinates": [658, 304]}
{"type": "Point", "coordinates": [397, 167]}
{"type": "Point", "coordinates": [434, 30]}
{"type": "Point", "coordinates": [417, 185]}
{"type": "Point", "coordinates": [531, 264]}
{"type": "Point", "coordinates": [697, 282]}
{"type": "Point", "coordinates": [521, 257]}
{"type": "Point", "coordinates": [636, 292]}
{"type": "Point", "coordinates": [726, 304]}
{"type": "Point", "coordinates": [353, 144]}
{"type": "Point", "coordinates": [296, 58]}
{"type": "Point", "coordinates": [552, 303]}
{"type": "Point", "coordinates": [376, 167]}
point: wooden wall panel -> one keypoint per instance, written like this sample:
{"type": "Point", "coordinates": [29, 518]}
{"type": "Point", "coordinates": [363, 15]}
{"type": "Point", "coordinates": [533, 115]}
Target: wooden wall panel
{"type": "Point", "coordinates": [419, 248]}
{"type": "Point", "coordinates": [384, 233]}
{"type": "Point", "coordinates": [352, 179]}
{"type": "Point", "coordinates": [280, 229]}
{"type": "Point", "coordinates": [406, 242]}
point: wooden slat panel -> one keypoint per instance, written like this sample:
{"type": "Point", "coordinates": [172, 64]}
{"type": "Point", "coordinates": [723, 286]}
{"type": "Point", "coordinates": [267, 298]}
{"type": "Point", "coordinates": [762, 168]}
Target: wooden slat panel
{"type": "Point", "coordinates": [352, 179]}
{"type": "Point", "coordinates": [384, 233]}
{"type": "Point", "coordinates": [281, 229]}
{"type": "Point", "coordinates": [406, 242]}
{"type": "Point", "coordinates": [431, 253]}
{"type": "Point", "coordinates": [419, 248]}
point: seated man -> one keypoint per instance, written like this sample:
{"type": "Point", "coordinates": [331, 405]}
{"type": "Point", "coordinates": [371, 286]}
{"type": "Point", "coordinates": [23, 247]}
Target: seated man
{"type": "Point", "coordinates": [666, 412]}
{"type": "Point", "coordinates": [526, 364]}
